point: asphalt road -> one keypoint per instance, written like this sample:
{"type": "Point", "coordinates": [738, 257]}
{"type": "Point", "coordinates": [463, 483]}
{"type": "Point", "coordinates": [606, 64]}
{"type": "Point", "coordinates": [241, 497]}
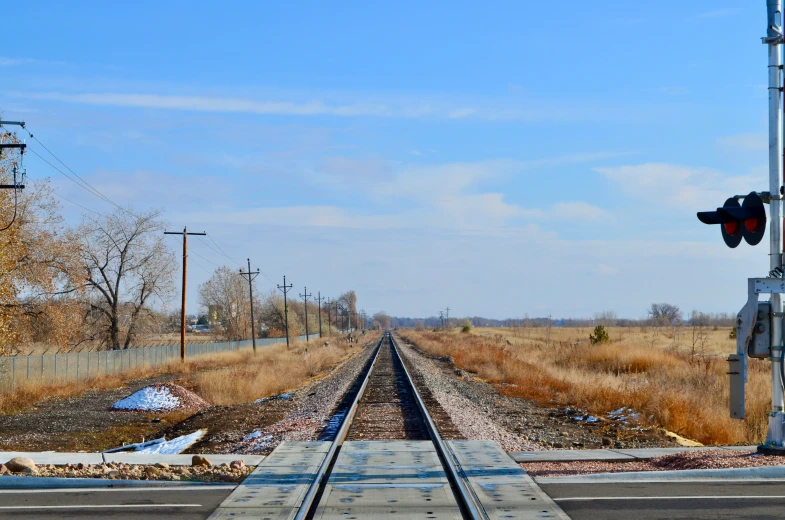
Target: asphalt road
{"type": "Point", "coordinates": [671, 500]}
{"type": "Point", "coordinates": [116, 503]}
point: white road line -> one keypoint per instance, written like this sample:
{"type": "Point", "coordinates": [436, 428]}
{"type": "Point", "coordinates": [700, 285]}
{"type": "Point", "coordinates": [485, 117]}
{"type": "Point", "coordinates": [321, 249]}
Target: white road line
{"type": "Point", "coordinates": [723, 497]}
{"type": "Point", "coordinates": [94, 506]}
{"type": "Point", "coordinates": [123, 489]}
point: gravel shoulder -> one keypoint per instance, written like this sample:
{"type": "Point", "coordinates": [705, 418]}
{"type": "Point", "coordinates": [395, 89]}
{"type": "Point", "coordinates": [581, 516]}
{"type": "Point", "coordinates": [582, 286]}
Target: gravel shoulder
{"type": "Point", "coordinates": [481, 412]}
{"type": "Point", "coordinates": [708, 459]}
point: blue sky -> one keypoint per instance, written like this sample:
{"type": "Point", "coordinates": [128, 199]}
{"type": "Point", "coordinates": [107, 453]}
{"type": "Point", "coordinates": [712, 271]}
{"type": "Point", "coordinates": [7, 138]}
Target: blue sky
{"type": "Point", "coordinates": [500, 158]}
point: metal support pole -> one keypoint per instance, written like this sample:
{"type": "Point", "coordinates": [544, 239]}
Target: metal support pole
{"type": "Point", "coordinates": [774, 40]}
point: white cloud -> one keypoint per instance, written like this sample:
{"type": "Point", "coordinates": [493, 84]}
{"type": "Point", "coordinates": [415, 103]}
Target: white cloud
{"type": "Point", "coordinates": [214, 104]}
{"type": "Point", "coordinates": [579, 211]}
{"type": "Point", "coordinates": [680, 186]}
{"type": "Point", "coordinates": [750, 142]}
{"type": "Point", "coordinates": [324, 104]}
{"type": "Point", "coordinates": [295, 216]}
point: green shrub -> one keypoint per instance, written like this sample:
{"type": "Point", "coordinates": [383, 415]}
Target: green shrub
{"type": "Point", "coordinates": [467, 326]}
{"type": "Point", "coordinates": [599, 336]}
{"type": "Point", "coordinates": [732, 333]}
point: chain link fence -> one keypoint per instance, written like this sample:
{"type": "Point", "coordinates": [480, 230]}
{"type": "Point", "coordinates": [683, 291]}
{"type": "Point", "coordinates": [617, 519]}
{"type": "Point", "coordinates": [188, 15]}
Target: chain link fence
{"type": "Point", "coordinates": [74, 366]}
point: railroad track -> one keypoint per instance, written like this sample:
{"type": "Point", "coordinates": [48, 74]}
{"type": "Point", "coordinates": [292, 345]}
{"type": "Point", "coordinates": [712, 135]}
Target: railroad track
{"type": "Point", "coordinates": [388, 406]}
{"type": "Point", "coordinates": [394, 454]}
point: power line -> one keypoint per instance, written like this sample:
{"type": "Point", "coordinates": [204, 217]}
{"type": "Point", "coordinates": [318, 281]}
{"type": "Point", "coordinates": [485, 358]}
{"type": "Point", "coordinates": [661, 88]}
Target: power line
{"type": "Point", "coordinates": [77, 204]}
{"type": "Point", "coordinates": [87, 189]}
{"type": "Point", "coordinates": [222, 251]}
{"type": "Point", "coordinates": [86, 185]}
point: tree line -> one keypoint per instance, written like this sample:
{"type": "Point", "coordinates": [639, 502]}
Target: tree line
{"type": "Point", "coordinates": [658, 314]}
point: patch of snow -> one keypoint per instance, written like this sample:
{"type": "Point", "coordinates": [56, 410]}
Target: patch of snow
{"type": "Point", "coordinates": [617, 412]}
{"type": "Point", "coordinates": [591, 419]}
{"type": "Point", "coordinates": [578, 418]}
{"type": "Point", "coordinates": [275, 397]}
{"type": "Point", "coordinates": [149, 398]}
{"type": "Point", "coordinates": [174, 446]}
{"type": "Point", "coordinates": [257, 433]}
{"type": "Point", "coordinates": [162, 446]}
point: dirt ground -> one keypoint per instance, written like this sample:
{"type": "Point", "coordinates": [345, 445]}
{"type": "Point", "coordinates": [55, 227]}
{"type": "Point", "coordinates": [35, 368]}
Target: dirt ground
{"type": "Point", "coordinates": [85, 422]}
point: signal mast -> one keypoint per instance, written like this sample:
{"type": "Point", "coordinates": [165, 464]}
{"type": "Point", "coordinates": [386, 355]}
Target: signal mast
{"type": "Point", "coordinates": [759, 323]}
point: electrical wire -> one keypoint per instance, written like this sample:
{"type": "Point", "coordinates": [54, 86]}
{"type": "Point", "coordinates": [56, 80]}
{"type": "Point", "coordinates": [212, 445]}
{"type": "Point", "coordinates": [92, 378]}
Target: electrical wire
{"type": "Point", "coordinates": [16, 204]}
{"type": "Point", "coordinates": [82, 183]}
{"type": "Point", "coordinates": [77, 204]}
{"type": "Point", "coordinates": [233, 259]}
{"type": "Point", "coordinates": [203, 258]}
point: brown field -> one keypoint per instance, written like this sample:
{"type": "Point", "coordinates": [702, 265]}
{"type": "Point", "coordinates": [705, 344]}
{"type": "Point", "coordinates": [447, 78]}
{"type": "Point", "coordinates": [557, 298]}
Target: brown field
{"type": "Point", "coordinates": [223, 379]}
{"type": "Point", "coordinates": [653, 371]}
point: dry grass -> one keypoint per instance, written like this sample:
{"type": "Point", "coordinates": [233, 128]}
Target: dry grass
{"type": "Point", "coordinates": [225, 378]}
{"type": "Point", "coordinates": [661, 379]}
{"type": "Point", "coordinates": [276, 370]}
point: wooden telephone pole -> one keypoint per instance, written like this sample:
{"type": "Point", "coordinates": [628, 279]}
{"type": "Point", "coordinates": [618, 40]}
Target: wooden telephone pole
{"type": "Point", "coordinates": [185, 234]}
{"type": "Point", "coordinates": [319, 300]}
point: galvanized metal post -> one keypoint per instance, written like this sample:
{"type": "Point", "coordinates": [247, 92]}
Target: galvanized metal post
{"type": "Point", "coordinates": [774, 41]}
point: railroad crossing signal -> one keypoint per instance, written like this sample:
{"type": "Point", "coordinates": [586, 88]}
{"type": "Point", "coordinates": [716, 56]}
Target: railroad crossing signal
{"type": "Point", "coordinates": [737, 221]}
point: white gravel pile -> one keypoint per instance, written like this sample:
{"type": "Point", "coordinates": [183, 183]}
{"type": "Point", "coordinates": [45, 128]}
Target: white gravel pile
{"type": "Point", "coordinates": [473, 422]}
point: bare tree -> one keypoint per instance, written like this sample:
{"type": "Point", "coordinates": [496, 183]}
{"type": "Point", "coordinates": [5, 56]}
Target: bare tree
{"type": "Point", "coordinates": [226, 294]}
{"type": "Point", "coordinates": [664, 314]}
{"type": "Point", "coordinates": [382, 319]}
{"type": "Point", "coordinates": [127, 267]}
{"type": "Point", "coordinates": [699, 321]}
{"type": "Point", "coordinates": [272, 317]}
{"type": "Point", "coordinates": [548, 327]}
{"type": "Point", "coordinates": [606, 318]}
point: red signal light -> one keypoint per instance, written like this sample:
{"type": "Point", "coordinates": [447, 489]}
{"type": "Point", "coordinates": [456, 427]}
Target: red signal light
{"type": "Point", "coordinates": [732, 214]}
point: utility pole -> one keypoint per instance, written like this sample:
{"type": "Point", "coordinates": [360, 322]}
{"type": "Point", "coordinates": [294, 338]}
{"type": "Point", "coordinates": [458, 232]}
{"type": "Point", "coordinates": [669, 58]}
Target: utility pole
{"type": "Point", "coordinates": [15, 185]}
{"type": "Point", "coordinates": [185, 234]}
{"type": "Point", "coordinates": [305, 297]}
{"type": "Point", "coordinates": [319, 302]}
{"type": "Point", "coordinates": [447, 317]}
{"type": "Point", "coordinates": [285, 289]}
{"type": "Point", "coordinates": [329, 325]}
{"type": "Point", "coordinates": [441, 319]}
{"type": "Point", "coordinates": [21, 147]}
{"type": "Point", "coordinates": [251, 277]}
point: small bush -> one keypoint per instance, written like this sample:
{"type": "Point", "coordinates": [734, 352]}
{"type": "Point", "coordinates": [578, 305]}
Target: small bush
{"type": "Point", "coordinates": [467, 326]}
{"type": "Point", "coordinates": [599, 336]}
{"type": "Point", "coordinates": [732, 333]}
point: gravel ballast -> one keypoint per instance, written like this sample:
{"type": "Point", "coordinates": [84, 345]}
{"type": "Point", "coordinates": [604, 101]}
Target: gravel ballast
{"type": "Point", "coordinates": [310, 411]}
{"type": "Point", "coordinates": [703, 459]}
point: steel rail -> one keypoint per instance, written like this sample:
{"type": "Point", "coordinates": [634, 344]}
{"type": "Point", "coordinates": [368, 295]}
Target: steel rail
{"type": "Point", "coordinates": [307, 503]}
{"type": "Point", "coordinates": [467, 496]}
